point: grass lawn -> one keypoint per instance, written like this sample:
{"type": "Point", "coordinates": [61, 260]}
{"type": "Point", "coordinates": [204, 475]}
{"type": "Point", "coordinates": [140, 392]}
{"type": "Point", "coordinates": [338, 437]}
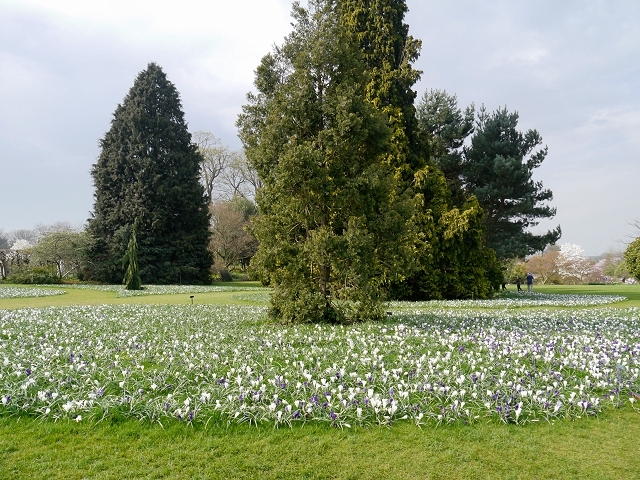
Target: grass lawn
{"type": "Point", "coordinates": [632, 292]}
{"type": "Point", "coordinates": [75, 296]}
{"type": "Point", "coordinates": [594, 448]}
{"type": "Point", "coordinates": [96, 297]}
{"type": "Point", "coordinates": [606, 446]}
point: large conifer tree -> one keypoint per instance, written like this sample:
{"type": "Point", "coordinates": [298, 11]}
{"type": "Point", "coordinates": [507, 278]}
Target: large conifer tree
{"type": "Point", "coordinates": [449, 260]}
{"type": "Point", "coordinates": [389, 52]}
{"type": "Point", "coordinates": [148, 170]}
{"type": "Point", "coordinates": [329, 228]}
{"type": "Point", "coordinates": [498, 168]}
{"type": "Point", "coordinates": [446, 127]}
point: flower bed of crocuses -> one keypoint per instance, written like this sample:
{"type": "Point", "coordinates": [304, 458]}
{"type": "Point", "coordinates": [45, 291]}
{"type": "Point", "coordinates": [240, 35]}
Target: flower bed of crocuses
{"type": "Point", "coordinates": [519, 300]}
{"type": "Point", "coordinates": [512, 300]}
{"type": "Point", "coordinates": [121, 291]}
{"type": "Point", "coordinates": [27, 292]}
{"type": "Point", "coordinates": [206, 363]}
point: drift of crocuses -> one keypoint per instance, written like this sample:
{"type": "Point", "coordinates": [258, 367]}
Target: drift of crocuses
{"type": "Point", "coordinates": [207, 363]}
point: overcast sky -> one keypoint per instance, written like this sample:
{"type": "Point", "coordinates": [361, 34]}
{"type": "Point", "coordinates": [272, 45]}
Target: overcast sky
{"type": "Point", "coordinates": [570, 68]}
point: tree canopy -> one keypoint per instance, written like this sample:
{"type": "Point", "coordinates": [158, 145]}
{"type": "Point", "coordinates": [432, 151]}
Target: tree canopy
{"type": "Point", "coordinates": [497, 169]}
{"type": "Point", "coordinates": [632, 258]}
{"type": "Point", "coordinates": [389, 51]}
{"type": "Point", "coordinates": [446, 127]}
{"type": "Point", "coordinates": [329, 229]}
{"type": "Point", "coordinates": [148, 170]}
{"type": "Point", "coordinates": [231, 242]}
{"type": "Point", "coordinates": [65, 248]}
{"type": "Point", "coordinates": [4, 241]}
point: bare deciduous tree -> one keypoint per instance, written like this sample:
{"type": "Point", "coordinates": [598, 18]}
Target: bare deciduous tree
{"type": "Point", "coordinates": [234, 178]}
{"type": "Point", "coordinates": [230, 241]}
{"type": "Point", "coordinates": [544, 266]}
{"type": "Point", "coordinates": [215, 160]}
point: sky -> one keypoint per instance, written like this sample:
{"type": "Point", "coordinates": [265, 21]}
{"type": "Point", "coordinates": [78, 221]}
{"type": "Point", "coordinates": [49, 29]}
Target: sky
{"type": "Point", "coordinates": [571, 70]}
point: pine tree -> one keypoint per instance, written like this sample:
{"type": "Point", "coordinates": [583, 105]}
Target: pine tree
{"type": "Point", "coordinates": [498, 169]}
{"type": "Point", "coordinates": [148, 169]}
{"type": "Point", "coordinates": [446, 127]}
{"type": "Point", "coordinates": [330, 232]}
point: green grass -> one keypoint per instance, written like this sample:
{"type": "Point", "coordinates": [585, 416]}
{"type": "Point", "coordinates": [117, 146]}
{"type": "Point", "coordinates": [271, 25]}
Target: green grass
{"type": "Point", "coordinates": [96, 297]}
{"type": "Point", "coordinates": [605, 447]}
{"type": "Point", "coordinates": [632, 292]}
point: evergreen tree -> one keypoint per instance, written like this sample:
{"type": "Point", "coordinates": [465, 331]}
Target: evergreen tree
{"type": "Point", "coordinates": [148, 169]}
{"type": "Point", "coordinates": [131, 276]}
{"type": "Point", "coordinates": [443, 239]}
{"type": "Point", "coordinates": [389, 52]}
{"type": "Point", "coordinates": [446, 127]}
{"type": "Point", "coordinates": [498, 169]}
{"type": "Point", "coordinates": [452, 261]}
{"type": "Point", "coordinates": [330, 231]}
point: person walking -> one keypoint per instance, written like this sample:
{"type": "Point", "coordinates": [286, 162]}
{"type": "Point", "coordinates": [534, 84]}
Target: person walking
{"type": "Point", "coordinates": [518, 282]}
{"type": "Point", "coordinates": [529, 282]}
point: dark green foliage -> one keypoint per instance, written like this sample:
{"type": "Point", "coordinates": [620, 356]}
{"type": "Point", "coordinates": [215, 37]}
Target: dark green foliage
{"type": "Point", "coordinates": [498, 168]}
{"type": "Point", "coordinates": [452, 262]}
{"type": "Point", "coordinates": [632, 258]}
{"type": "Point", "coordinates": [330, 230]}
{"type": "Point", "coordinates": [130, 260]}
{"type": "Point", "coordinates": [388, 52]}
{"type": "Point", "coordinates": [148, 169]}
{"type": "Point", "coordinates": [34, 274]}
{"type": "Point", "coordinates": [445, 128]}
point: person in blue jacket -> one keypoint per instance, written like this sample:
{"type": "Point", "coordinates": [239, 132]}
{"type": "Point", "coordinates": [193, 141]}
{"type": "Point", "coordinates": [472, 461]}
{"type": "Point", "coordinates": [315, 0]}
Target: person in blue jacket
{"type": "Point", "coordinates": [529, 282]}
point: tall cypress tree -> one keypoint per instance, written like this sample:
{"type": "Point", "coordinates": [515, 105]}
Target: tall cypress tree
{"type": "Point", "coordinates": [148, 170]}
{"type": "Point", "coordinates": [329, 228]}
{"type": "Point", "coordinates": [389, 52]}
{"type": "Point", "coordinates": [131, 277]}
{"type": "Point", "coordinates": [449, 261]}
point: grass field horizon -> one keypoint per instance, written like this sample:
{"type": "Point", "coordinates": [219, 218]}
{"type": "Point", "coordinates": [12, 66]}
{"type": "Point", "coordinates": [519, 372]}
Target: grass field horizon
{"type": "Point", "coordinates": [602, 445]}
{"type": "Point", "coordinates": [75, 296]}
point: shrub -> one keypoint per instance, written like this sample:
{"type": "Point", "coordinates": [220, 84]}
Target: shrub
{"type": "Point", "coordinates": [46, 274]}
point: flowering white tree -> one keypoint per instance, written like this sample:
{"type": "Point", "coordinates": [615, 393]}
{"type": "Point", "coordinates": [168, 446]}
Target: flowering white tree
{"type": "Point", "coordinates": [573, 266]}
{"type": "Point", "coordinates": [21, 245]}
